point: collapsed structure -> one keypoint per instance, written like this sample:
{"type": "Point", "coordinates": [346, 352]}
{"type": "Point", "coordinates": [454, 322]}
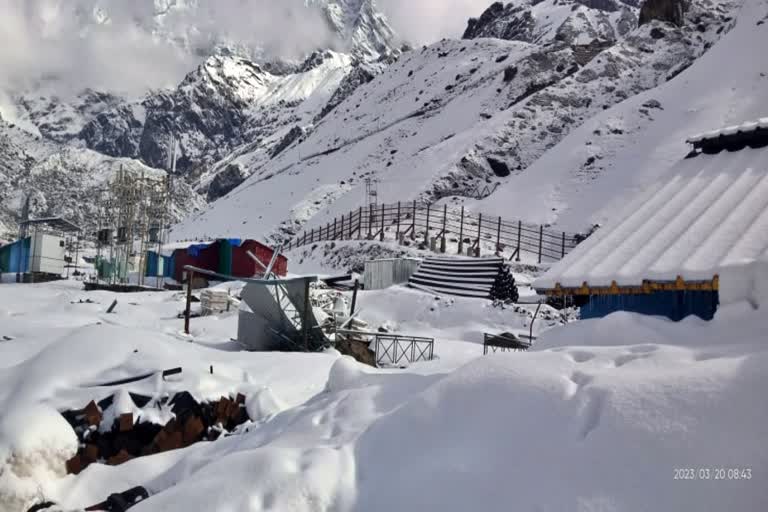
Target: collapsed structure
{"type": "Point", "coordinates": [277, 315]}
{"type": "Point", "coordinates": [695, 239]}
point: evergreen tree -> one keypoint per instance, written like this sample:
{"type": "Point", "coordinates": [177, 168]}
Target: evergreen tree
{"type": "Point", "coordinates": [504, 288]}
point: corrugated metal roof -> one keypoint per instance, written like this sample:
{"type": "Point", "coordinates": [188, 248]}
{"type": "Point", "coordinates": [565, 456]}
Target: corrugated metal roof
{"type": "Point", "coordinates": [748, 127]}
{"type": "Point", "coordinates": [711, 212]}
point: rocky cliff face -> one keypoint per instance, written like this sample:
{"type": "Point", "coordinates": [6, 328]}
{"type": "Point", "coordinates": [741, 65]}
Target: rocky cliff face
{"type": "Point", "coordinates": [644, 58]}
{"type": "Point", "coordinates": [573, 23]}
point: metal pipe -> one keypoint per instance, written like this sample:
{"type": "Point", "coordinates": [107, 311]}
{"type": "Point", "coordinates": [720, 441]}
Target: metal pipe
{"type": "Point", "coordinates": [188, 309]}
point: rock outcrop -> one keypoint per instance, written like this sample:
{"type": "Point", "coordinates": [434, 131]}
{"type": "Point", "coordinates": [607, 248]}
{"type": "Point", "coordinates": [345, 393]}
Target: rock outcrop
{"type": "Point", "coordinates": [578, 22]}
{"type": "Point", "coordinates": [671, 11]}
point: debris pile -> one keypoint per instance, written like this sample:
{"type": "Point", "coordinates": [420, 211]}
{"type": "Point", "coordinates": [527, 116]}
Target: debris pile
{"type": "Point", "coordinates": [142, 432]}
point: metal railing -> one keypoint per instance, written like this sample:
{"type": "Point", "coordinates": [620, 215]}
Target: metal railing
{"type": "Point", "coordinates": [425, 221]}
{"type": "Point", "coordinates": [393, 349]}
{"type": "Point", "coordinates": [504, 343]}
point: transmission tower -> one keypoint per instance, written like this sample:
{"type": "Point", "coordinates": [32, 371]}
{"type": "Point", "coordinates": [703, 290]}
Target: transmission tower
{"type": "Point", "coordinates": [371, 192]}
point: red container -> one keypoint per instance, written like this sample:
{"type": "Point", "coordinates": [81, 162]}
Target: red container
{"type": "Point", "coordinates": [244, 266]}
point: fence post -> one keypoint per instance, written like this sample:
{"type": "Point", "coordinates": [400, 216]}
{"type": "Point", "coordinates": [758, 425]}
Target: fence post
{"type": "Point", "coordinates": [342, 226]}
{"type": "Point", "coordinates": [187, 309]}
{"type": "Point", "coordinates": [360, 224]}
{"type": "Point", "coordinates": [519, 234]}
{"type": "Point", "coordinates": [413, 231]}
{"type": "Point", "coordinates": [479, 233]}
{"type": "Point", "coordinates": [445, 226]}
{"type": "Point", "coordinates": [334, 230]}
{"type": "Point", "coordinates": [397, 235]}
{"type": "Point", "coordinates": [313, 236]}
{"type": "Point", "coordinates": [381, 237]}
{"type": "Point", "coordinates": [498, 238]}
{"type": "Point", "coordinates": [461, 232]}
{"type": "Point", "coordinates": [370, 221]}
{"type": "Point", "coordinates": [563, 256]}
{"type": "Point", "coordinates": [541, 240]}
{"type": "Point", "coordinates": [426, 232]}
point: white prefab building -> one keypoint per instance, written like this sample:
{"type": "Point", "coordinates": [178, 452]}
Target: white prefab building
{"type": "Point", "coordinates": [46, 254]}
{"type": "Point", "coordinates": [696, 238]}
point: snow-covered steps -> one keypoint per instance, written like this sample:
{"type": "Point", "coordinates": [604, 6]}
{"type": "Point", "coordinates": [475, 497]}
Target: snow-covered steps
{"type": "Point", "coordinates": [458, 276]}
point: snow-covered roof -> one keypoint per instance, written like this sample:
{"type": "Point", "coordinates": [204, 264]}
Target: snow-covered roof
{"type": "Point", "coordinates": [710, 213]}
{"type": "Point", "coordinates": [751, 127]}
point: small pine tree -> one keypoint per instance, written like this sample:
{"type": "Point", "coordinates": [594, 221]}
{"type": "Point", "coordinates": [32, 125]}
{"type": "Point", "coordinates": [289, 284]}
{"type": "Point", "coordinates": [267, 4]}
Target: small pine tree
{"type": "Point", "coordinates": [504, 288]}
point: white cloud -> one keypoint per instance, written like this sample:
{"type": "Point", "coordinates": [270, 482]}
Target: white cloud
{"type": "Point", "coordinates": [133, 45]}
{"type": "Point", "coordinates": [130, 46]}
{"type": "Point", "coordinates": [426, 21]}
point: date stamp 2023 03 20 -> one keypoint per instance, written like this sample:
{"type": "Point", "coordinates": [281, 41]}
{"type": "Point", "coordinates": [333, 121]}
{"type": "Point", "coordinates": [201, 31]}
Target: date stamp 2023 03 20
{"type": "Point", "coordinates": [713, 474]}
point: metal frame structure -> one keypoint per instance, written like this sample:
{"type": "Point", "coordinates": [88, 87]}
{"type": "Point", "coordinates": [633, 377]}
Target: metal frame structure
{"type": "Point", "coordinates": [394, 349]}
{"type": "Point", "coordinates": [134, 215]}
{"type": "Point", "coordinates": [505, 342]}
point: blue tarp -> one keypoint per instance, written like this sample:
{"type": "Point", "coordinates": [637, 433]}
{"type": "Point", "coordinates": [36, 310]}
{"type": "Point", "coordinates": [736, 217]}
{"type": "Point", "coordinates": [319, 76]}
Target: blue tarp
{"type": "Point", "coordinates": [674, 305]}
{"type": "Point", "coordinates": [194, 250]}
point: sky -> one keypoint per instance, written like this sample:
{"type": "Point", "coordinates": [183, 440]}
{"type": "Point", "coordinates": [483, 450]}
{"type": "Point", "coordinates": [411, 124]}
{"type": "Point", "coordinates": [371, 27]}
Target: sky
{"type": "Point", "coordinates": [104, 44]}
{"type": "Point", "coordinates": [427, 21]}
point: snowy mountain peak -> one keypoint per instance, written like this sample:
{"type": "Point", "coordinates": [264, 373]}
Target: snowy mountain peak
{"type": "Point", "coordinates": [361, 26]}
{"type": "Point", "coordinates": [237, 79]}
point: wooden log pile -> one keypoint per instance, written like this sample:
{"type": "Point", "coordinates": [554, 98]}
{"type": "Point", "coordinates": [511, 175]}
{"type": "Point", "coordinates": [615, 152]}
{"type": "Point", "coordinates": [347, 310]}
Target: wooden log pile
{"type": "Point", "coordinates": [129, 438]}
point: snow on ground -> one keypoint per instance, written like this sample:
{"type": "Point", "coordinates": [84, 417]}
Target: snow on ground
{"type": "Point", "coordinates": [599, 417]}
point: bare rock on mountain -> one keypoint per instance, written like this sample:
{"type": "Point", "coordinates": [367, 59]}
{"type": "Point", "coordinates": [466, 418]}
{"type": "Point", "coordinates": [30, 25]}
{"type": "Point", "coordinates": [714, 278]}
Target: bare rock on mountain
{"type": "Point", "coordinates": [226, 181]}
{"type": "Point", "coordinates": [671, 11]}
{"type": "Point", "coordinates": [115, 132]}
{"type": "Point", "coordinates": [577, 22]}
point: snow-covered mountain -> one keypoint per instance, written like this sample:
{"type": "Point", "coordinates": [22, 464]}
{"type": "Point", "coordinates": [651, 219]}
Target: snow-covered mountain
{"type": "Point", "coordinates": [290, 143]}
{"type": "Point", "coordinates": [446, 120]}
{"type": "Point", "coordinates": [63, 180]}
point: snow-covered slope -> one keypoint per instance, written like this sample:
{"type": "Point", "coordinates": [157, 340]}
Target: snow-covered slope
{"type": "Point", "coordinates": [450, 118]}
{"type": "Point", "coordinates": [593, 171]}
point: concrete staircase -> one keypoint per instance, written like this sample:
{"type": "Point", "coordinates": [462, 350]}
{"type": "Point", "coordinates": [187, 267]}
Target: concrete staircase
{"type": "Point", "coordinates": [456, 276]}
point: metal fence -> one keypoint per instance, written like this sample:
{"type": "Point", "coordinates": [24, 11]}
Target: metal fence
{"type": "Point", "coordinates": [505, 342]}
{"type": "Point", "coordinates": [393, 349]}
{"type": "Point", "coordinates": [423, 221]}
